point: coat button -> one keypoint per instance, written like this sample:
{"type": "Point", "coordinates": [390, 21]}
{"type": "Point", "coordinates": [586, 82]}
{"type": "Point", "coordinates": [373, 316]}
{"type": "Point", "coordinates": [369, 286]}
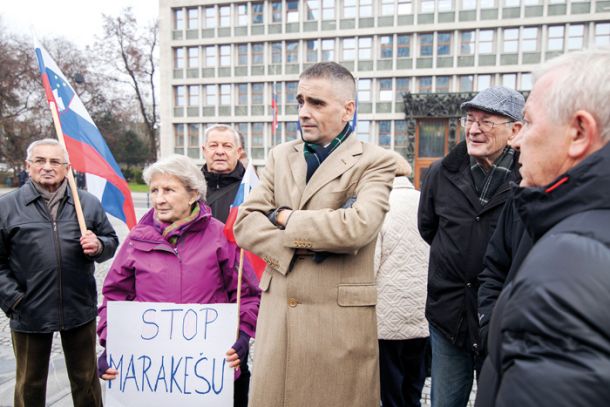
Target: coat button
{"type": "Point", "coordinates": [292, 302]}
{"type": "Point", "coordinates": [478, 218]}
{"type": "Point", "coordinates": [468, 285]}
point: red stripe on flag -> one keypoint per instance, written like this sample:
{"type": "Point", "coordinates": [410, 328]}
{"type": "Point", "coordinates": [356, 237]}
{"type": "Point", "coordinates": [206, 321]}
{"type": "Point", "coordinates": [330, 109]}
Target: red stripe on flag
{"type": "Point", "coordinates": [230, 223]}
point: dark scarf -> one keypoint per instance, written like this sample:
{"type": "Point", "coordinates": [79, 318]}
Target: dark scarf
{"type": "Point", "coordinates": [487, 182]}
{"type": "Point", "coordinates": [52, 199]}
{"type": "Point", "coordinates": [316, 154]}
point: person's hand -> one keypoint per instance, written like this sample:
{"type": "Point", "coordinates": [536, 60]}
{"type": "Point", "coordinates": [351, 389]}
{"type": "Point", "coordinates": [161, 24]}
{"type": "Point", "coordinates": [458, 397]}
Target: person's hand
{"type": "Point", "coordinates": [109, 374]}
{"type": "Point", "coordinates": [282, 217]}
{"type": "Point", "coordinates": [90, 243]}
{"type": "Point", "coordinates": [233, 358]}
{"type": "Point", "coordinates": [103, 370]}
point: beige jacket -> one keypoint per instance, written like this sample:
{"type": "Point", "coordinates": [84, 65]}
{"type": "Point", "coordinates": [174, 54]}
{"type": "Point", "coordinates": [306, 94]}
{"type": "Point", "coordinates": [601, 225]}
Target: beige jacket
{"type": "Point", "coordinates": [316, 341]}
{"type": "Point", "coordinates": [401, 264]}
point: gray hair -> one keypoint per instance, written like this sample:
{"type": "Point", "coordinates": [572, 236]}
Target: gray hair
{"type": "Point", "coordinates": [223, 127]}
{"type": "Point", "coordinates": [583, 84]}
{"type": "Point", "coordinates": [46, 142]}
{"type": "Point", "coordinates": [331, 71]}
{"type": "Point", "coordinates": [180, 167]}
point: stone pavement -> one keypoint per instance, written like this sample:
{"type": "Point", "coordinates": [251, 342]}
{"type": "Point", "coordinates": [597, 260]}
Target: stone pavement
{"type": "Point", "coordinates": [58, 387]}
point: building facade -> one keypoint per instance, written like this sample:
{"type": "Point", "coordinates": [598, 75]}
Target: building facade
{"type": "Point", "coordinates": [414, 61]}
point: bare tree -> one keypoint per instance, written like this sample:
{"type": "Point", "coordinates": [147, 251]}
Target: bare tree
{"type": "Point", "coordinates": [130, 52]}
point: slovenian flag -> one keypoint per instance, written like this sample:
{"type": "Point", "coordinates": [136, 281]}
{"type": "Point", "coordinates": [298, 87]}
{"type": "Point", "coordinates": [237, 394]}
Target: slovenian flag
{"type": "Point", "coordinates": [248, 182]}
{"type": "Point", "coordinates": [86, 147]}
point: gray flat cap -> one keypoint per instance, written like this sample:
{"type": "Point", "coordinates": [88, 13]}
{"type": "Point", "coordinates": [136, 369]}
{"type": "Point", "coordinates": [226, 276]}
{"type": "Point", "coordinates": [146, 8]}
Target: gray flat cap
{"type": "Point", "coordinates": [498, 100]}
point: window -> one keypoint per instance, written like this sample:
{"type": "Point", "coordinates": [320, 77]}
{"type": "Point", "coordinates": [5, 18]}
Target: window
{"type": "Point", "coordinates": [526, 81]}
{"type": "Point", "coordinates": [386, 46]}
{"type": "Point", "coordinates": [529, 42]}
{"type": "Point", "coordinates": [179, 130]}
{"type": "Point", "coordinates": [193, 18]}
{"type": "Point", "coordinates": [328, 9]}
{"type": "Point", "coordinates": [431, 137]}
{"type": "Point", "coordinates": [469, 4]}
{"type": "Point", "coordinates": [242, 54]}
{"type": "Point", "coordinates": [178, 58]}
{"type": "Point", "coordinates": [210, 17]}
{"type": "Point", "coordinates": [445, 5]}
{"type": "Point", "coordinates": [257, 13]}
{"type": "Point", "coordinates": [403, 85]}
{"type": "Point", "coordinates": [443, 46]}
{"type": "Point", "coordinates": [210, 56]}
{"type": "Point", "coordinates": [387, 7]}
{"type": "Point", "coordinates": [405, 7]}
{"type": "Point", "coordinates": [602, 34]}
{"type": "Point", "coordinates": [401, 137]}
{"type": "Point", "coordinates": [511, 3]}
{"type": "Point", "coordinates": [292, 11]}
{"type": "Point", "coordinates": [488, 3]}
{"type": "Point", "coordinates": [486, 41]}
{"type": "Point", "coordinates": [225, 55]}
{"type": "Point", "coordinates": [311, 52]}
{"type": "Point", "coordinates": [258, 140]}
{"type": "Point", "coordinates": [257, 93]}
{"type": "Point", "coordinates": [365, 48]}
{"type": "Point", "coordinates": [366, 8]}
{"type": "Point", "coordinates": [276, 12]}
{"type": "Point", "coordinates": [385, 90]}
{"type": "Point", "coordinates": [178, 19]}
{"type": "Point", "coordinates": [349, 49]}
{"type": "Point", "coordinates": [242, 94]}
{"type": "Point", "coordinates": [225, 16]}
{"type": "Point", "coordinates": [210, 95]}
{"type": "Point", "coordinates": [257, 53]}
{"type": "Point", "coordinates": [193, 53]}
{"type": "Point", "coordinates": [242, 14]}
{"type": "Point", "coordinates": [328, 50]}
{"type": "Point", "coordinates": [363, 131]}
{"type": "Point", "coordinates": [465, 83]}
{"type": "Point", "coordinates": [483, 82]}
{"type": "Point", "coordinates": [511, 40]}
{"type": "Point", "coordinates": [443, 84]}
{"type": "Point", "coordinates": [179, 94]}
{"type": "Point", "coordinates": [290, 130]}
{"type": "Point", "coordinates": [555, 38]}
{"type": "Point", "coordinates": [193, 134]}
{"type": "Point", "coordinates": [467, 42]}
{"type": "Point", "coordinates": [242, 129]}
{"type": "Point", "coordinates": [576, 34]}
{"type": "Point", "coordinates": [403, 48]}
{"type": "Point", "coordinates": [364, 90]}
{"type": "Point", "coordinates": [425, 45]}
{"type": "Point", "coordinates": [225, 94]}
{"type": "Point", "coordinates": [426, 6]}
{"type": "Point", "coordinates": [384, 133]}
{"type": "Point", "coordinates": [292, 52]}
{"type": "Point", "coordinates": [349, 8]}
{"type": "Point", "coordinates": [276, 52]}
{"type": "Point", "coordinates": [509, 80]}
{"type": "Point", "coordinates": [312, 7]}
{"type": "Point", "coordinates": [291, 93]}
{"type": "Point", "coordinates": [424, 84]}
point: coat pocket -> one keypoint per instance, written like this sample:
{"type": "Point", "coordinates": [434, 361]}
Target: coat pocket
{"type": "Point", "coordinates": [356, 295]}
{"type": "Point", "coordinates": [265, 280]}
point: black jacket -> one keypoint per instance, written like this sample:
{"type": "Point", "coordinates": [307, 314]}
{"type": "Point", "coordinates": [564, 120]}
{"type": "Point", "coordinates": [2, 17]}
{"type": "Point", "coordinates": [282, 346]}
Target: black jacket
{"type": "Point", "coordinates": [549, 335]}
{"type": "Point", "coordinates": [509, 245]}
{"type": "Point", "coordinates": [452, 220]}
{"type": "Point", "coordinates": [222, 189]}
{"type": "Point", "coordinates": [46, 281]}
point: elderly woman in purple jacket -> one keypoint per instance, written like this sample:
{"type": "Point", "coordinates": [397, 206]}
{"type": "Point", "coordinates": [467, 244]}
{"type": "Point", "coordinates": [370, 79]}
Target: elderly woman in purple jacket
{"type": "Point", "coordinates": [178, 253]}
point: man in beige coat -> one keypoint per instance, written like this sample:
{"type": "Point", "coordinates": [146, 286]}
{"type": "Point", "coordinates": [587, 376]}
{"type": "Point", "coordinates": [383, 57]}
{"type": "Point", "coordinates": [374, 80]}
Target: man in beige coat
{"type": "Point", "coordinates": [314, 219]}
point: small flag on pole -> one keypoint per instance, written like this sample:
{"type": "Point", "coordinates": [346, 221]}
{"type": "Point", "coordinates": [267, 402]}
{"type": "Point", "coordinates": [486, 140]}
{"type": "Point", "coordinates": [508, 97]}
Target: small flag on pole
{"type": "Point", "coordinates": [274, 123]}
{"type": "Point", "coordinates": [86, 147]}
{"type": "Point", "coordinates": [248, 182]}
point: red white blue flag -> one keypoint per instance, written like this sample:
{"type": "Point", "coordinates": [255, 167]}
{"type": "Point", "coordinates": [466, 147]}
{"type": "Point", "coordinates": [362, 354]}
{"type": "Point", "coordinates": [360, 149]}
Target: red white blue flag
{"type": "Point", "coordinates": [248, 182]}
{"type": "Point", "coordinates": [86, 147]}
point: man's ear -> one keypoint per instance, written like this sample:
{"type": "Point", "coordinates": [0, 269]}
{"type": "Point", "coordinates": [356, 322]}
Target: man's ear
{"type": "Point", "coordinates": [584, 134]}
{"type": "Point", "coordinates": [350, 109]}
{"type": "Point", "coordinates": [517, 126]}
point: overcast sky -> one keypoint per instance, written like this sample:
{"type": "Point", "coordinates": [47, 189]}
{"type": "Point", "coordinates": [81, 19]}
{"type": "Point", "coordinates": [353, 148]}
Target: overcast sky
{"type": "Point", "coordinates": [77, 20]}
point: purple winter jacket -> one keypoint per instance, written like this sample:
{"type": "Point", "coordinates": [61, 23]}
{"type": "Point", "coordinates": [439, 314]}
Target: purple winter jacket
{"type": "Point", "coordinates": [200, 269]}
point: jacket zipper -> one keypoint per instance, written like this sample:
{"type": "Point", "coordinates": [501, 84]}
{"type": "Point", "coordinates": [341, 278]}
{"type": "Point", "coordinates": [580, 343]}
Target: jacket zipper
{"type": "Point", "coordinates": [59, 279]}
{"type": "Point", "coordinates": [180, 262]}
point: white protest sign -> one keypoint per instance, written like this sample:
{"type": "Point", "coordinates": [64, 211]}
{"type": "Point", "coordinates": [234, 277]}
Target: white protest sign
{"type": "Point", "coordinates": [170, 354]}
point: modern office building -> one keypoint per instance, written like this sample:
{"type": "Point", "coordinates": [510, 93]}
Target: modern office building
{"type": "Point", "coordinates": [414, 61]}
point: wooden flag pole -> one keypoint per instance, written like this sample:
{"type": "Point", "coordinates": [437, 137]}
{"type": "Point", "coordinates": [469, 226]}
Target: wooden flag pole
{"type": "Point", "coordinates": [70, 176]}
{"type": "Point", "coordinates": [240, 273]}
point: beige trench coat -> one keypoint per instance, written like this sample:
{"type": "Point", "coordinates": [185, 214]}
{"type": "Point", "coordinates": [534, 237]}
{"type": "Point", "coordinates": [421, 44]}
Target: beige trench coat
{"type": "Point", "coordinates": [316, 338]}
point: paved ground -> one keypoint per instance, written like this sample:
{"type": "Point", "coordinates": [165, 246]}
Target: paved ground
{"type": "Point", "coordinates": [58, 387]}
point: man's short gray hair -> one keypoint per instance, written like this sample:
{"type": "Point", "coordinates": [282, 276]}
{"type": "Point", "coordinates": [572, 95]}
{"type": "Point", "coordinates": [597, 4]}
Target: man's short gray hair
{"type": "Point", "coordinates": [331, 71]}
{"type": "Point", "coordinates": [223, 127]}
{"type": "Point", "coordinates": [46, 142]}
{"type": "Point", "coordinates": [583, 83]}
{"type": "Point", "coordinates": [180, 167]}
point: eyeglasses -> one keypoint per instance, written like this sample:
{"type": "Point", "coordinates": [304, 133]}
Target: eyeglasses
{"type": "Point", "coordinates": [40, 162]}
{"type": "Point", "coordinates": [484, 125]}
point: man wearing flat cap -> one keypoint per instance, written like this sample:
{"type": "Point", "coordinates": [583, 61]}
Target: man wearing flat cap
{"type": "Point", "coordinates": [462, 197]}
